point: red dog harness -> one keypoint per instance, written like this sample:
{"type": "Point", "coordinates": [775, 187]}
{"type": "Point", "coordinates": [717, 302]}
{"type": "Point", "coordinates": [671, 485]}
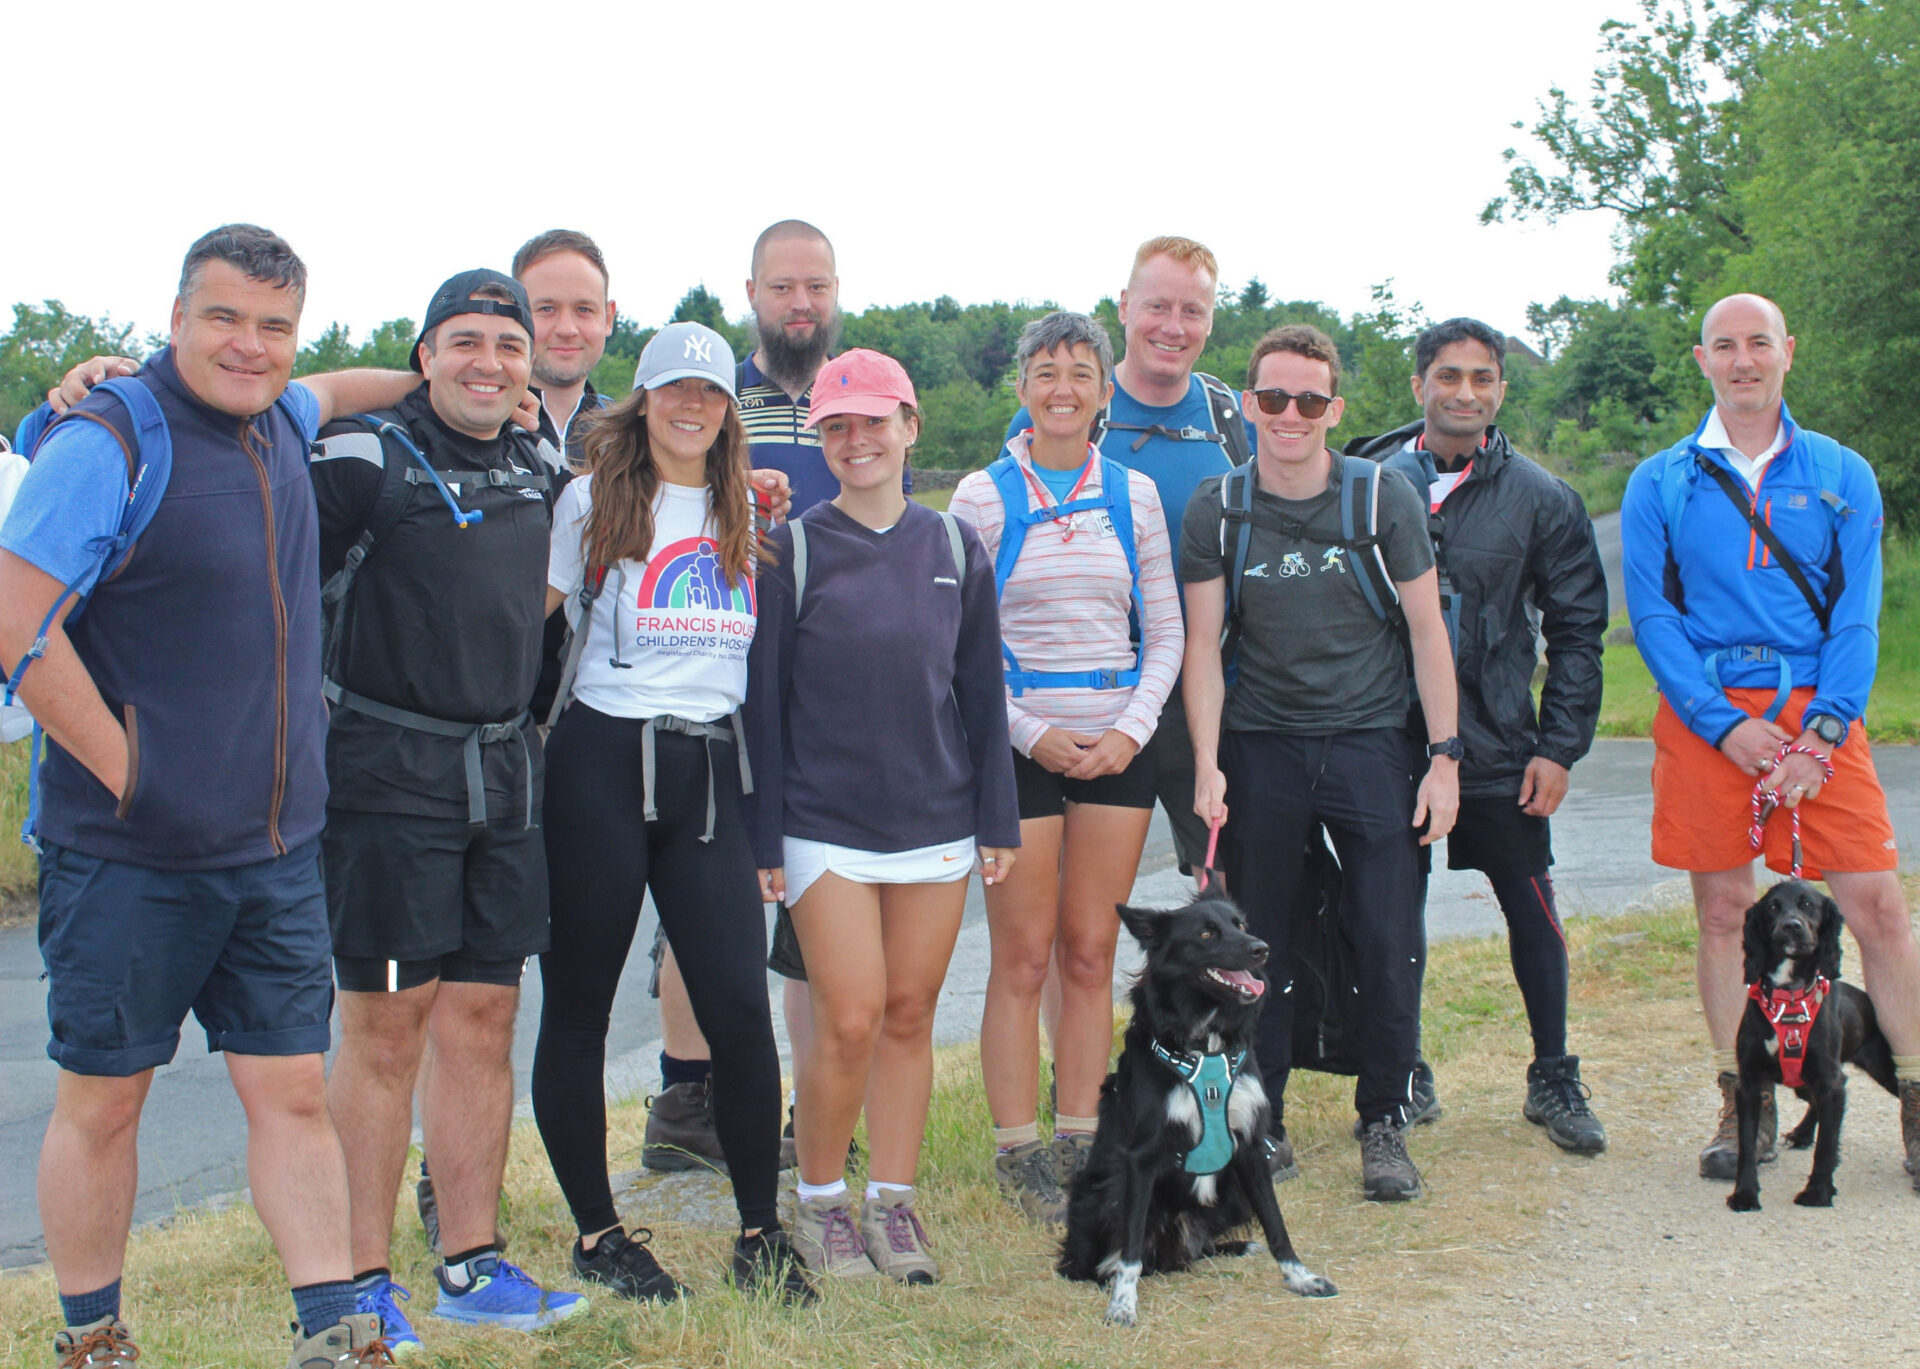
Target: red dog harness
{"type": "Point", "coordinates": [1792, 1013]}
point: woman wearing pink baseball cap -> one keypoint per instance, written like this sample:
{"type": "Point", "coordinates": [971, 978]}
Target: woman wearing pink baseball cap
{"type": "Point", "coordinates": [875, 677]}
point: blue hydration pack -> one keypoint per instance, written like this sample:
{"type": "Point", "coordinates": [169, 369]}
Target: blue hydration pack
{"type": "Point", "coordinates": [149, 467]}
{"type": "Point", "coordinates": [1680, 473]}
{"type": "Point", "coordinates": [1010, 480]}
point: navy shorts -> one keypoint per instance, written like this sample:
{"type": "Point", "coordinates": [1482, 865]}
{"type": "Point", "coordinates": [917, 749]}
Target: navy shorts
{"type": "Point", "coordinates": [129, 951]}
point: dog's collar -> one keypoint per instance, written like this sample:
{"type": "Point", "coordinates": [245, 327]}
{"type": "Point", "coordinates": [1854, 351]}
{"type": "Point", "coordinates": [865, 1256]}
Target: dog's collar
{"type": "Point", "coordinates": [1791, 1014]}
{"type": "Point", "coordinates": [1211, 1077]}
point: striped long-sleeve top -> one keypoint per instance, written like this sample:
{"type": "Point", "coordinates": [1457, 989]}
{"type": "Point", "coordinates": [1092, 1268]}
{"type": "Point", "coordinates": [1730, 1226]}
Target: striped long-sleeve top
{"type": "Point", "coordinates": [1065, 606]}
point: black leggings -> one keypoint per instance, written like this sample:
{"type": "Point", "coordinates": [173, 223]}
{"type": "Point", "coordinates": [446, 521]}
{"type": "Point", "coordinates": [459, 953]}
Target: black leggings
{"type": "Point", "coordinates": [1538, 948]}
{"type": "Point", "coordinates": [602, 858]}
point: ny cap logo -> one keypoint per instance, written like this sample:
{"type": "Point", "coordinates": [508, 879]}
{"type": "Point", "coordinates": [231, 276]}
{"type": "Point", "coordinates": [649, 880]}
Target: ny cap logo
{"type": "Point", "coordinates": [699, 348]}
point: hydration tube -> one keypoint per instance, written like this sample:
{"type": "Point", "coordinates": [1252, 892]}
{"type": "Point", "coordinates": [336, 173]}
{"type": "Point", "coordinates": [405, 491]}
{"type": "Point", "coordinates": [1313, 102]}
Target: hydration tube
{"type": "Point", "coordinates": [461, 517]}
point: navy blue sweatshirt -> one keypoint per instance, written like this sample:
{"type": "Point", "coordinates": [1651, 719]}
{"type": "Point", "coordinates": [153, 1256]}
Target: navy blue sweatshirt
{"type": "Point", "coordinates": [878, 720]}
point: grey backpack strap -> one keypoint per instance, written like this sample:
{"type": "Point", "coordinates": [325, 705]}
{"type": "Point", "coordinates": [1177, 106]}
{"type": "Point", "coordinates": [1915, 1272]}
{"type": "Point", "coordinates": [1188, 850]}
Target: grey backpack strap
{"type": "Point", "coordinates": [592, 579]}
{"type": "Point", "coordinates": [799, 564]}
{"type": "Point", "coordinates": [954, 543]}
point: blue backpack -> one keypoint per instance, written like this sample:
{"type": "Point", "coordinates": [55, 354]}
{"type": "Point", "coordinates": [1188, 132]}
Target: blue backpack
{"type": "Point", "coordinates": [1010, 481]}
{"type": "Point", "coordinates": [149, 468]}
{"type": "Point", "coordinates": [1680, 472]}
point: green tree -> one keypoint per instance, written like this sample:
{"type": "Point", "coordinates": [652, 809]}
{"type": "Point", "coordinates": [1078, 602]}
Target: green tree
{"type": "Point", "coordinates": [45, 342]}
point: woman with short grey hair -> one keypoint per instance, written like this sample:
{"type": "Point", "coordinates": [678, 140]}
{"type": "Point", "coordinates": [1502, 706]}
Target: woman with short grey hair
{"type": "Point", "coordinates": [1081, 552]}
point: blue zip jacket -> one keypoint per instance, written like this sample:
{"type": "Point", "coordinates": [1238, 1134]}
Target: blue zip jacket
{"type": "Point", "coordinates": [1736, 594]}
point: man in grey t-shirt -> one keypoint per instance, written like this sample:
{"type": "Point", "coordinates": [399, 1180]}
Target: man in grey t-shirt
{"type": "Point", "coordinates": [1314, 730]}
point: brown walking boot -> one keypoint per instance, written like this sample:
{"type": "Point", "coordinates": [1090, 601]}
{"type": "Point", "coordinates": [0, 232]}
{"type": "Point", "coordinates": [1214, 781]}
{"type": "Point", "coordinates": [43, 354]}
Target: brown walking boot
{"type": "Point", "coordinates": [103, 1344]}
{"type": "Point", "coordinates": [1721, 1158]}
{"type": "Point", "coordinates": [1910, 1127]}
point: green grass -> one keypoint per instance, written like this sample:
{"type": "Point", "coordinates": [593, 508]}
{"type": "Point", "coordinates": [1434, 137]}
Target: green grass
{"type": "Point", "coordinates": [205, 1289]}
{"type": "Point", "coordinates": [17, 869]}
{"type": "Point", "coordinates": [934, 499]}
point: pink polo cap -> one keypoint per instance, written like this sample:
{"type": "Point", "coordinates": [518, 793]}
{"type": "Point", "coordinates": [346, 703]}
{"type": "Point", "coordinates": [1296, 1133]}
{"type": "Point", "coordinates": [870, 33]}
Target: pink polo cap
{"type": "Point", "coordinates": [859, 382]}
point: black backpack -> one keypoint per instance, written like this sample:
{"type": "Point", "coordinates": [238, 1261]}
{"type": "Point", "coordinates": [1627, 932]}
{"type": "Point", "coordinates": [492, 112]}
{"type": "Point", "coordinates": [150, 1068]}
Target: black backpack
{"type": "Point", "coordinates": [1326, 1000]}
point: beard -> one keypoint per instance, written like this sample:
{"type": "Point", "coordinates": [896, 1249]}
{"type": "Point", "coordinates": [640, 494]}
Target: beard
{"type": "Point", "coordinates": [792, 364]}
{"type": "Point", "coordinates": [549, 376]}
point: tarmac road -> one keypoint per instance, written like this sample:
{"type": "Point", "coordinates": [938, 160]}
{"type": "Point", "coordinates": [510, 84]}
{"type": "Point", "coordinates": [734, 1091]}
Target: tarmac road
{"type": "Point", "coordinates": [192, 1140]}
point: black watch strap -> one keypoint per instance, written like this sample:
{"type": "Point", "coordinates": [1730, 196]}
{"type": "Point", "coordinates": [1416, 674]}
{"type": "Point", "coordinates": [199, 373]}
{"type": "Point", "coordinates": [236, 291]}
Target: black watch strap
{"type": "Point", "coordinates": [1827, 728]}
{"type": "Point", "coordinates": [1451, 747]}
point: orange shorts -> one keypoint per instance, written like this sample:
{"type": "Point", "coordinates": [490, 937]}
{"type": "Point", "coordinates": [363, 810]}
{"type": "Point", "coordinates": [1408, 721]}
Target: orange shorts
{"type": "Point", "coordinates": [1703, 802]}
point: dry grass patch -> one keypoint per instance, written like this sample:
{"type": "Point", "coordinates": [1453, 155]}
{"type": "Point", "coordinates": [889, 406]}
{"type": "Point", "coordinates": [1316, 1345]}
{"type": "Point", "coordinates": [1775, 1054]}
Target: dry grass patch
{"type": "Point", "coordinates": [205, 1290]}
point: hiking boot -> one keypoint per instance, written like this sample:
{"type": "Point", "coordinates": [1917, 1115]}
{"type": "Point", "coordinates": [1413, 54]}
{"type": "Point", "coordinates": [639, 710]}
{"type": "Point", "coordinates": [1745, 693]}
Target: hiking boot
{"type": "Point", "coordinates": [1280, 1159]}
{"type": "Point", "coordinates": [1423, 1101]}
{"type": "Point", "coordinates": [790, 1151]}
{"type": "Point", "coordinates": [896, 1242]}
{"type": "Point", "coordinates": [1721, 1158]}
{"type": "Point", "coordinates": [354, 1340]}
{"type": "Point", "coordinates": [502, 1294]}
{"type": "Point", "coordinates": [623, 1263]}
{"type": "Point", "coordinates": [103, 1344]}
{"type": "Point", "coordinates": [828, 1241]}
{"type": "Point", "coordinates": [680, 1131]}
{"type": "Point", "coordinates": [429, 1207]}
{"type": "Point", "coordinates": [1910, 1127]}
{"type": "Point", "coordinates": [1557, 1100]}
{"type": "Point", "coordinates": [1070, 1157]}
{"type": "Point", "coordinates": [766, 1259]}
{"type": "Point", "coordinates": [1029, 1181]}
{"type": "Point", "coordinates": [378, 1296]}
{"type": "Point", "coordinates": [1387, 1174]}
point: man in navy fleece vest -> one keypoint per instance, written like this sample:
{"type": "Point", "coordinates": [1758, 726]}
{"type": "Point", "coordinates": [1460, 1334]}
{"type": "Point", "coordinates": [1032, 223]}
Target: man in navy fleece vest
{"type": "Point", "coordinates": [184, 786]}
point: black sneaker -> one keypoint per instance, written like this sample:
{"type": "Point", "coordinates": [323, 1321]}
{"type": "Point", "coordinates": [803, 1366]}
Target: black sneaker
{"type": "Point", "coordinates": [623, 1263]}
{"type": "Point", "coordinates": [1387, 1173]}
{"type": "Point", "coordinates": [429, 1209]}
{"type": "Point", "coordinates": [1280, 1156]}
{"type": "Point", "coordinates": [1557, 1100]}
{"type": "Point", "coordinates": [767, 1260]}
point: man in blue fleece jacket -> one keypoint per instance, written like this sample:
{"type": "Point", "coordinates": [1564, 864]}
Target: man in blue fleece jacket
{"type": "Point", "coordinates": [1760, 624]}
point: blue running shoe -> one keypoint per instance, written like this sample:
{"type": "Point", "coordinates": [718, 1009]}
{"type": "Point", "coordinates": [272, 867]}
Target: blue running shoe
{"type": "Point", "coordinates": [503, 1295]}
{"type": "Point", "coordinates": [377, 1296]}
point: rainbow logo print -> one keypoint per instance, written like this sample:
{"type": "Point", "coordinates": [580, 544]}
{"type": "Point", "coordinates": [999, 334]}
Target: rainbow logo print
{"type": "Point", "coordinates": [687, 576]}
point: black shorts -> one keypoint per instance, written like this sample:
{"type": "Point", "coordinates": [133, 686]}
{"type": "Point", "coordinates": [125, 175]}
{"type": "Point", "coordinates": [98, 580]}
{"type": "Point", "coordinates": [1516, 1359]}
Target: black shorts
{"type": "Point", "coordinates": [1173, 756]}
{"type": "Point", "coordinates": [1499, 837]}
{"type": "Point", "coordinates": [361, 974]}
{"type": "Point", "coordinates": [1044, 794]}
{"type": "Point", "coordinates": [407, 889]}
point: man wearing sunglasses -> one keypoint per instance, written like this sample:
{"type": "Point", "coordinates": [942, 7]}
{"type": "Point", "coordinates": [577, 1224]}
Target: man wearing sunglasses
{"type": "Point", "coordinates": [1512, 543]}
{"type": "Point", "coordinates": [1314, 732]}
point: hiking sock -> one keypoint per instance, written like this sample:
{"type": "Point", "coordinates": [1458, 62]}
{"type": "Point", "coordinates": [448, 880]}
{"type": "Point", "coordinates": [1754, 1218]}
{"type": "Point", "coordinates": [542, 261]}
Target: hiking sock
{"type": "Point", "coordinates": [1063, 1125]}
{"type": "Point", "coordinates": [815, 1192]}
{"type": "Point", "coordinates": [367, 1281]}
{"type": "Point", "coordinates": [1538, 949]}
{"type": "Point", "coordinates": [676, 1071]}
{"type": "Point", "coordinates": [1906, 1069]}
{"type": "Point", "coordinates": [1006, 1138]}
{"type": "Point", "coordinates": [877, 1190]}
{"type": "Point", "coordinates": [458, 1273]}
{"type": "Point", "coordinates": [318, 1306]}
{"type": "Point", "coordinates": [84, 1309]}
{"type": "Point", "coordinates": [1726, 1062]}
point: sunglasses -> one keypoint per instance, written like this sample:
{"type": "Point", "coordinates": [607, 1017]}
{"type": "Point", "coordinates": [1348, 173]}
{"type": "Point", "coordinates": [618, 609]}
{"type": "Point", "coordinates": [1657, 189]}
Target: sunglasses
{"type": "Point", "coordinates": [1310, 404]}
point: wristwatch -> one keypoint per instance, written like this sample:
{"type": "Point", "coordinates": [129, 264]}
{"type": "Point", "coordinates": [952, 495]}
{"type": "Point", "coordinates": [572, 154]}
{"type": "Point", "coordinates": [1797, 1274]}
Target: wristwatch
{"type": "Point", "coordinates": [1450, 748]}
{"type": "Point", "coordinates": [1827, 728]}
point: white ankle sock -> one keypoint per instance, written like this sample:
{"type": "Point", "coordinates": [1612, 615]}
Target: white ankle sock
{"type": "Point", "coordinates": [876, 1191]}
{"type": "Point", "coordinates": [814, 1192]}
{"type": "Point", "coordinates": [1906, 1069]}
{"type": "Point", "coordinates": [1726, 1062]}
{"type": "Point", "coordinates": [1006, 1138]}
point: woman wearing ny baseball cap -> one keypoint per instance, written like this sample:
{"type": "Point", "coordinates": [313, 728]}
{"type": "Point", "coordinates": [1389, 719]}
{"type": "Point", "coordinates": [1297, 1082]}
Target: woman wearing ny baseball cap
{"type": "Point", "coordinates": [653, 552]}
{"type": "Point", "coordinates": [875, 693]}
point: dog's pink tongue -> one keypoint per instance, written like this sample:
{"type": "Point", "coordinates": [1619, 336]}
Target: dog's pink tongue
{"type": "Point", "coordinates": [1243, 981]}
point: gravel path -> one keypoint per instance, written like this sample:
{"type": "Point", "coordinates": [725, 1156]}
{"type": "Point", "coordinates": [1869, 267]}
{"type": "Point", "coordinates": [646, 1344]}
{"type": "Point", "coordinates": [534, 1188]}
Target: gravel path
{"type": "Point", "coordinates": [1639, 1261]}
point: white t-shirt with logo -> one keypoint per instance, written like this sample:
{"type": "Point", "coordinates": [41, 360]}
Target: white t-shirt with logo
{"type": "Point", "coordinates": [669, 634]}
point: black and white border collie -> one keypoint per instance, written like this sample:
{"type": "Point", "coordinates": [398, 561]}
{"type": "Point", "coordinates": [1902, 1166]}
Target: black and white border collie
{"type": "Point", "coordinates": [1140, 1206]}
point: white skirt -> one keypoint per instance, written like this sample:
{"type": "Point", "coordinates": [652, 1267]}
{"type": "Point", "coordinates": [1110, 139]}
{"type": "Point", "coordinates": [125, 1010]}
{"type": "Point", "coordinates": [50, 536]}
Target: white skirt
{"type": "Point", "coordinates": [942, 864]}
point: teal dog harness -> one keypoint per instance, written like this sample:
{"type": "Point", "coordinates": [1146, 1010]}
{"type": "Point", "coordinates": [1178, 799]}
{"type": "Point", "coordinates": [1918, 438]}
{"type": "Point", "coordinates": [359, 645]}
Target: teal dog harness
{"type": "Point", "coordinates": [1211, 1078]}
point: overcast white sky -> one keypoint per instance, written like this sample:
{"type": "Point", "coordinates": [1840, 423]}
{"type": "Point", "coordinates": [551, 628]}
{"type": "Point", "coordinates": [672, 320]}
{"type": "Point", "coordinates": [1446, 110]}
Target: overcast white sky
{"type": "Point", "coordinates": [990, 150]}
